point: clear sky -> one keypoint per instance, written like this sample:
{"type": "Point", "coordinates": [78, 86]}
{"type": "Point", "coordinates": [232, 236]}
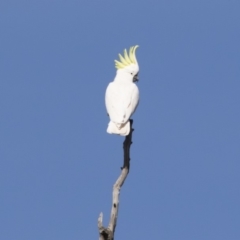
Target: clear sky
{"type": "Point", "coordinates": [58, 164]}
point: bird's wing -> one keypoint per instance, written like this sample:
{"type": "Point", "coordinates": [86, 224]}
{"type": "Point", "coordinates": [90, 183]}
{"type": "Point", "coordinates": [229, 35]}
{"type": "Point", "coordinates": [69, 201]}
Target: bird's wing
{"type": "Point", "coordinates": [133, 103]}
{"type": "Point", "coordinates": [121, 101]}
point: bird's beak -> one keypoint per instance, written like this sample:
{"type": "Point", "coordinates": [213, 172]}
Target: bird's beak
{"type": "Point", "coordinates": [135, 78]}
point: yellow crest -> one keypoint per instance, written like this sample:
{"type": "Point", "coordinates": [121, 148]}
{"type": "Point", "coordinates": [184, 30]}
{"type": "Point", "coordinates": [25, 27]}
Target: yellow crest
{"type": "Point", "coordinates": [127, 59]}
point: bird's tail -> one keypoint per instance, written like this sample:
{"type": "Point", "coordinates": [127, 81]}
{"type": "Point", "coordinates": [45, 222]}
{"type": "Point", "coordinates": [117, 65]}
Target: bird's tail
{"type": "Point", "coordinates": [122, 130]}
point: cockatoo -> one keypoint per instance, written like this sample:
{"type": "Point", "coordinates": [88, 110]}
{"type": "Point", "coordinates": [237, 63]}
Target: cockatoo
{"type": "Point", "coordinates": [122, 95]}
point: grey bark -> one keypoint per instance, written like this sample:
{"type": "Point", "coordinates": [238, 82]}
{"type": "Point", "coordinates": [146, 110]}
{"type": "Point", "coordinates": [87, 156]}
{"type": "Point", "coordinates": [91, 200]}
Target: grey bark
{"type": "Point", "coordinates": [108, 233]}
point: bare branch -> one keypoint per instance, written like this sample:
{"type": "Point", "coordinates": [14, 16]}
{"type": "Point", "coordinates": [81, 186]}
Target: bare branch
{"type": "Point", "coordinates": [108, 233]}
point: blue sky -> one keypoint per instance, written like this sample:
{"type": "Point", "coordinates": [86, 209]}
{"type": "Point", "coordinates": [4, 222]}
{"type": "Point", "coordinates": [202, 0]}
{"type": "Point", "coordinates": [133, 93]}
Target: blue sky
{"type": "Point", "coordinates": [58, 164]}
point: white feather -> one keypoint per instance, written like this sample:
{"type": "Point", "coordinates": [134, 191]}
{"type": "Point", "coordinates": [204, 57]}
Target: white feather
{"type": "Point", "coordinates": [121, 100]}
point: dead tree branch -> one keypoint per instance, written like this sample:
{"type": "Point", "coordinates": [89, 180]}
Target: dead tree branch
{"type": "Point", "coordinates": [108, 233]}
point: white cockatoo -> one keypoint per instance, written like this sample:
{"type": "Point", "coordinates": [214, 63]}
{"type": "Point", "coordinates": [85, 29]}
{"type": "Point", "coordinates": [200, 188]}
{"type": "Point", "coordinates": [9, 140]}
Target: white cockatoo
{"type": "Point", "coordinates": [122, 95]}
